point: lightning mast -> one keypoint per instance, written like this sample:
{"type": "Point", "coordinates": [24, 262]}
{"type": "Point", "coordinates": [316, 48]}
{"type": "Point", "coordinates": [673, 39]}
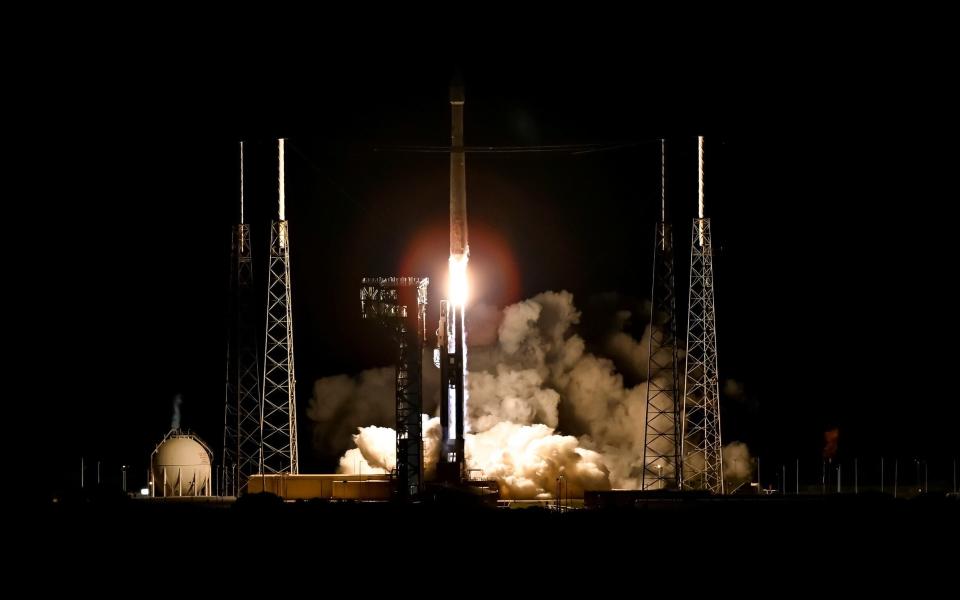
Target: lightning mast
{"type": "Point", "coordinates": [278, 408]}
{"type": "Point", "coordinates": [702, 458]}
{"type": "Point", "coordinates": [661, 440]}
{"type": "Point", "coordinates": [241, 423]}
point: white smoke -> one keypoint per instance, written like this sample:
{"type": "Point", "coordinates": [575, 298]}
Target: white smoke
{"type": "Point", "coordinates": [526, 460]}
{"type": "Point", "coordinates": [175, 420]}
{"type": "Point", "coordinates": [738, 465]}
{"type": "Point", "coordinates": [535, 379]}
{"type": "Point", "coordinates": [340, 404]}
{"type": "Point", "coordinates": [733, 389]}
{"type": "Point", "coordinates": [376, 450]}
{"type": "Point", "coordinates": [353, 463]}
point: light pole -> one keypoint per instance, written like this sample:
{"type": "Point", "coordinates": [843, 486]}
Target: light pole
{"type": "Point", "coordinates": [124, 467]}
{"type": "Point", "coordinates": [660, 475]}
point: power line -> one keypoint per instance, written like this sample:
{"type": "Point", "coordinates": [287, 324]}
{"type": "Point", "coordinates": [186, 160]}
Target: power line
{"type": "Point", "coordinates": [557, 148]}
{"type": "Point", "coordinates": [336, 186]}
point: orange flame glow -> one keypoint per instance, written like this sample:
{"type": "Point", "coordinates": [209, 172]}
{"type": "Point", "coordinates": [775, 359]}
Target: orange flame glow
{"type": "Point", "coordinates": [458, 279]}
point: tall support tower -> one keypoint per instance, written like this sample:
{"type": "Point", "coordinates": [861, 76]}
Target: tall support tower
{"type": "Point", "coordinates": [278, 407]}
{"type": "Point", "coordinates": [702, 459]}
{"type": "Point", "coordinates": [451, 335]}
{"type": "Point", "coordinates": [662, 437]}
{"type": "Point", "coordinates": [381, 298]}
{"type": "Point", "coordinates": [241, 427]}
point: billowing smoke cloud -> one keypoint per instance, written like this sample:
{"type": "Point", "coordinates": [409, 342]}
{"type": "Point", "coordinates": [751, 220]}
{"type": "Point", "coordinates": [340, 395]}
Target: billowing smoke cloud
{"type": "Point", "coordinates": [733, 389]}
{"type": "Point", "coordinates": [738, 465]}
{"type": "Point", "coordinates": [533, 379]}
{"type": "Point", "coordinates": [175, 421]}
{"type": "Point", "coordinates": [341, 404]}
{"type": "Point", "coordinates": [525, 459]}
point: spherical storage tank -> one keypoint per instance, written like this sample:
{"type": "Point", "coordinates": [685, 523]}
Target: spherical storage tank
{"type": "Point", "coordinates": [180, 466]}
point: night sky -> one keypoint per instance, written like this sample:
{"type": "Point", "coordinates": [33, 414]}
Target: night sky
{"type": "Point", "coordinates": [826, 180]}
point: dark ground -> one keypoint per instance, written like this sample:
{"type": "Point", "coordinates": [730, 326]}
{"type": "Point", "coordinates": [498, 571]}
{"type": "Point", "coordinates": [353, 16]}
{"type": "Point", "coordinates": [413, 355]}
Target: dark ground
{"type": "Point", "coordinates": [869, 541]}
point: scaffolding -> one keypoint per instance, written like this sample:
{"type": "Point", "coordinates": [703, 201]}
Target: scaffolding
{"type": "Point", "coordinates": [278, 412]}
{"type": "Point", "coordinates": [381, 301]}
{"type": "Point", "coordinates": [702, 460]}
{"type": "Point", "coordinates": [241, 430]}
{"type": "Point", "coordinates": [661, 439]}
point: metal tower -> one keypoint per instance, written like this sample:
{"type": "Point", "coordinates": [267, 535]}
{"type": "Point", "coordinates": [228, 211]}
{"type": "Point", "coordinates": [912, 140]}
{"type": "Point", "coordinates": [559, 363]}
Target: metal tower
{"type": "Point", "coordinates": [278, 408]}
{"type": "Point", "coordinates": [380, 300]}
{"type": "Point", "coordinates": [702, 459]}
{"type": "Point", "coordinates": [661, 438]}
{"type": "Point", "coordinates": [241, 430]}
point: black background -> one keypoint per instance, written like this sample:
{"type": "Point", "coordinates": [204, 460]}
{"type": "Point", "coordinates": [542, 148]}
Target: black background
{"type": "Point", "coordinates": [830, 180]}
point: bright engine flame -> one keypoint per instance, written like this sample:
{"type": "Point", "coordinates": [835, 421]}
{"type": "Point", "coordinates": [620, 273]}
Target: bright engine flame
{"type": "Point", "coordinates": [458, 279]}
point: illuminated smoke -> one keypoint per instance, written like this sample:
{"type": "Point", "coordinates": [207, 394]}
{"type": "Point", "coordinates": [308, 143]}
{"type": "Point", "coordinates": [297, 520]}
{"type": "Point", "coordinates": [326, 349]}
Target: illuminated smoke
{"type": "Point", "coordinates": [541, 405]}
{"type": "Point", "coordinates": [175, 421]}
{"type": "Point", "coordinates": [737, 463]}
{"type": "Point", "coordinates": [341, 404]}
{"type": "Point", "coordinates": [526, 460]}
{"type": "Point", "coordinates": [375, 451]}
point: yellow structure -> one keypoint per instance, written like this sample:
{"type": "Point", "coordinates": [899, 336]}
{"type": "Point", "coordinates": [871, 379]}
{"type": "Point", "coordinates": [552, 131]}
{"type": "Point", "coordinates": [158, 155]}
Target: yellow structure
{"type": "Point", "coordinates": [328, 486]}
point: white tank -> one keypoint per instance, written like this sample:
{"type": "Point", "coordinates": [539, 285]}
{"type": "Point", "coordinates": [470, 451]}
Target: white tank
{"type": "Point", "coordinates": [180, 466]}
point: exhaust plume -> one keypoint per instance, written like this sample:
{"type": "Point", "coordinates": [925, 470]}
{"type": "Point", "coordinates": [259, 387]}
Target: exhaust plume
{"type": "Point", "coordinates": [541, 405]}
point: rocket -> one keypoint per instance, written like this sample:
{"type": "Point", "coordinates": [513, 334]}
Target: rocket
{"type": "Point", "coordinates": [459, 245]}
{"type": "Point", "coordinates": [451, 467]}
{"type": "Point", "coordinates": [451, 343]}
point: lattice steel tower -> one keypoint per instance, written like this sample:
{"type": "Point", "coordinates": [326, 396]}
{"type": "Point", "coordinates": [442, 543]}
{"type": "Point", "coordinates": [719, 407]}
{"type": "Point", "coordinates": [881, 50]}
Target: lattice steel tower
{"type": "Point", "coordinates": [380, 299]}
{"type": "Point", "coordinates": [661, 438]}
{"type": "Point", "coordinates": [241, 426]}
{"type": "Point", "coordinates": [278, 407]}
{"type": "Point", "coordinates": [702, 458]}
